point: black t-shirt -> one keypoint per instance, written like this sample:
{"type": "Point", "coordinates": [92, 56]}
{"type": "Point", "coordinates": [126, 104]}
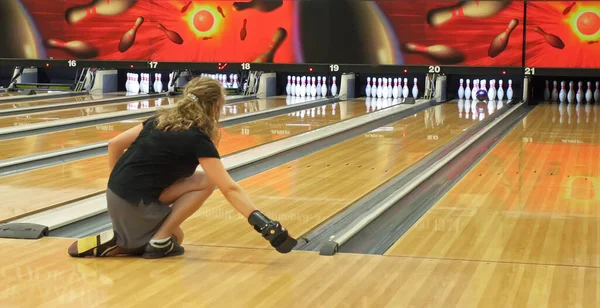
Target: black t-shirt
{"type": "Point", "coordinates": [156, 159]}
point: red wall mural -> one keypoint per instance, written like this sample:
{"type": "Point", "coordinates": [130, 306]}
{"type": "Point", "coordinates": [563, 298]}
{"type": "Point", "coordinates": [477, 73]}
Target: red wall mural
{"type": "Point", "coordinates": [563, 34]}
{"type": "Point", "coordinates": [472, 32]}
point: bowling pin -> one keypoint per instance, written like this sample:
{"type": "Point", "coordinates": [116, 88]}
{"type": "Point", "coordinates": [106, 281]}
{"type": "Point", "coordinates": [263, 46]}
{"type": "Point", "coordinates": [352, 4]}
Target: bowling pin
{"type": "Point", "coordinates": [303, 86]}
{"type": "Point", "coordinates": [98, 7]}
{"type": "Point", "coordinates": [307, 89]}
{"type": "Point", "coordinates": [509, 91]}
{"type": "Point", "coordinates": [259, 5]}
{"type": "Point", "coordinates": [384, 92]}
{"type": "Point", "coordinates": [475, 89]}
{"type": "Point", "coordinates": [547, 91]}
{"type": "Point", "coordinates": [500, 42]}
{"type": "Point", "coordinates": [136, 84]}
{"type": "Point", "coordinates": [469, 8]}
{"type": "Point", "coordinates": [367, 88]}
{"type": "Point", "coordinates": [159, 84]}
{"type": "Point", "coordinates": [468, 90]}
{"type": "Point", "coordinates": [293, 86]}
{"type": "Point", "coordinates": [400, 88]}
{"type": "Point", "coordinates": [440, 53]}
{"type": "Point", "coordinates": [555, 91]}
{"type": "Point", "coordinates": [579, 94]}
{"type": "Point", "coordinates": [155, 83]}
{"type": "Point", "coordinates": [185, 7]}
{"type": "Point", "coordinates": [415, 89]}
{"type": "Point", "coordinates": [313, 87]}
{"type": "Point", "coordinates": [298, 85]}
{"type": "Point", "coordinates": [597, 93]}
{"type": "Point", "coordinates": [500, 92]}
{"type": "Point", "coordinates": [551, 39]}
{"type": "Point", "coordinates": [389, 87]}
{"type": "Point", "coordinates": [276, 41]}
{"type": "Point", "coordinates": [492, 91]}
{"type": "Point", "coordinates": [333, 86]}
{"type": "Point", "coordinates": [128, 37]}
{"type": "Point", "coordinates": [395, 89]}
{"type": "Point", "coordinates": [77, 49]}
{"type": "Point", "coordinates": [563, 92]}
{"type": "Point", "coordinates": [405, 88]}
{"type": "Point", "coordinates": [588, 92]}
{"type": "Point", "coordinates": [571, 93]}
{"type": "Point", "coordinates": [171, 35]}
{"type": "Point", "coordinates": [461, 90]}
{"type": "Point", "coordinates": [324, 87]}
{"type": "Point", "coordinates": [568, 8]}
{"type": "Point", "coordinates": [288, 86]}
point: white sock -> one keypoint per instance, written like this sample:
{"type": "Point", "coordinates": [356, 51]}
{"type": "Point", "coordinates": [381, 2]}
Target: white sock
{"type": "Point", "coordinates": [160, 241]}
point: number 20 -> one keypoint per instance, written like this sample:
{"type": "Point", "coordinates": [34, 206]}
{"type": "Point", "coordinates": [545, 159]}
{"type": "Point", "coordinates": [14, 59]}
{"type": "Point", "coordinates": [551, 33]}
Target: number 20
{"type": "Point", "coordinates": [434, 69]}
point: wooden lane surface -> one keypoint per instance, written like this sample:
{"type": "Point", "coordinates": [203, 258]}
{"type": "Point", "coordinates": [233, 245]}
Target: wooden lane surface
{"type": "Point", "coordinates": [304, 193]}
{"type": "Point", "coordinates": [41, 274]}
{"type": "Point", "coordinates": [26, 119]}
{"type": "Point", "coordinates": [52, 101]}
{"type": "Point", "coordinates": [39, 189]}
{"type": "Point", "coordinates": [534, 198]}
{"type": "Point", "coordinates": [280, 128]}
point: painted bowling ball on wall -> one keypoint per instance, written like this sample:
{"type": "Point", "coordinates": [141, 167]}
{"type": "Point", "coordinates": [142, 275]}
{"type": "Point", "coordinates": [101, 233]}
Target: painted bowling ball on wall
{"type": "Point", "coordinates": [18, 32]}
{"type": "Point", "coordinates": [355, 32]}
{"type": "Point", "coordinates": [482, 95]}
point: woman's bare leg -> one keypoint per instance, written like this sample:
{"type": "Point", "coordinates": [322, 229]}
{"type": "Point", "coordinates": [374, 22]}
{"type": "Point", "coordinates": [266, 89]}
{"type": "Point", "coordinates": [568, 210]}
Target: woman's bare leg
{"type": "Point", "coordinates": [186, 195]}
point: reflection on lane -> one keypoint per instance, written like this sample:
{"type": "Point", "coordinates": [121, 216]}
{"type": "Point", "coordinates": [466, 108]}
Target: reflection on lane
{"type": "Point", "coordinates": [61, 100]}
{"type": "Point", "coordinates": [26, 119]}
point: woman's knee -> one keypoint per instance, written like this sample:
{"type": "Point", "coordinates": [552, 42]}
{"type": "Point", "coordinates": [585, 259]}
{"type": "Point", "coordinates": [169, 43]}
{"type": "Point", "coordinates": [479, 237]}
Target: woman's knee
{"type": "Point", "coordinates": [199, 181]}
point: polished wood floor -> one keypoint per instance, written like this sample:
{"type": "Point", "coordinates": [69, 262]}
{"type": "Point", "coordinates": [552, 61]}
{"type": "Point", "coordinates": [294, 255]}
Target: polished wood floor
{"type": "Point", "coordinates": [39, 189]}
{"type": "Point", "coordinates": [39, 273]}
{"type": "Point", "coordinates": [529, 241]}
{"type": "Point", "coordinates": [61, 100]}
{"type": "Point", "coordinates": [533, 199]}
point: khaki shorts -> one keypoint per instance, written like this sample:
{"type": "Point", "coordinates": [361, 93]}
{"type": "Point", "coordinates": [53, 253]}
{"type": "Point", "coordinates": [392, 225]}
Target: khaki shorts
{"type": "Point", "coordinates": [134, 225]}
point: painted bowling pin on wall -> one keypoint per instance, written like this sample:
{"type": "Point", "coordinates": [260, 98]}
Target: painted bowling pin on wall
{"type": "Point", "coordinates": [469, 8]}
{"type": "Point", "coordinates": [98, 7]}
{"type": "Point", "coordinates": [500, 42]}
{"type": "Point", "coordinates": [128, 37]}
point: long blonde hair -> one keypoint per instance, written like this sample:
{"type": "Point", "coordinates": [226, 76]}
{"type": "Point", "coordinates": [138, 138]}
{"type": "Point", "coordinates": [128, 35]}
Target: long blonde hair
{"type": "Point", "coordinates": [200, 106]}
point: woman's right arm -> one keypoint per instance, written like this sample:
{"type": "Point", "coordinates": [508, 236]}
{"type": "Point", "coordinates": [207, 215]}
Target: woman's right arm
{"type": "Point", "coordinates": [271, 230]}
{"type": "Point", "coordinates": [120, 143]}
{"type": "Point", "coordinates": [233, 192]}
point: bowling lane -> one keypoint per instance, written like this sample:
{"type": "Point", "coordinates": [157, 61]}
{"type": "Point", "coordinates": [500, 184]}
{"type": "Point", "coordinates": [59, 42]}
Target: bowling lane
{"type": "Point", "coordinates": [304, 193]}
{"type": "Point", "coordinates": [231, 109]}
{"type": "Point", "coordinates": [532, 199]}
{"type": "Point", "coordinates": [61, 100]}
{"type": "Point", "coordinates": [244, 135]}
{"type": "Point", "coordinates": [42, 188]}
